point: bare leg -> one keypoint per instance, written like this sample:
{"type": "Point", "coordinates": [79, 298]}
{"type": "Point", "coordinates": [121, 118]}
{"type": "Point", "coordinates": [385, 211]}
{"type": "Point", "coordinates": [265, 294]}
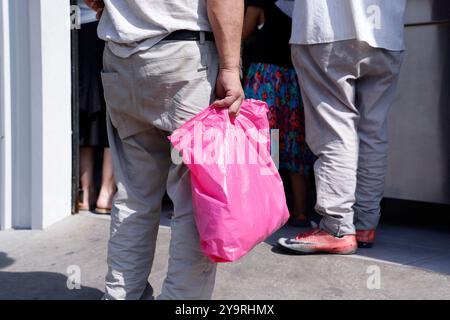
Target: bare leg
{"type": "Point", "coordinates": [87, 176]}
{"type": "Point", "coordinates": [108, 188]}
{"type": "Point", "coordinates": [298, 183]}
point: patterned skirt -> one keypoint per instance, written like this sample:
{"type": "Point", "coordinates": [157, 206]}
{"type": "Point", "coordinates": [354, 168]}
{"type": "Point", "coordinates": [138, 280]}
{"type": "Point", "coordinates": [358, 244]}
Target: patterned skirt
{"type": "Point", "coordinates": [278, 87]}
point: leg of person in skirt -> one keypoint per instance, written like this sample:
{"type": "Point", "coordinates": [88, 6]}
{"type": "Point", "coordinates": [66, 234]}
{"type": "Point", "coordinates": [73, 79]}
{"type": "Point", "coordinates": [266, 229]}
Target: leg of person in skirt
{"type": "Point", "coordinates": [278, 87]}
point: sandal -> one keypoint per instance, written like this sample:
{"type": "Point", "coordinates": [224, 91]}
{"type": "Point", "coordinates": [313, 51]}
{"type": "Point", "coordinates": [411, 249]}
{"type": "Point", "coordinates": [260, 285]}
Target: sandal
{"type": "Point", "coordinates": [81, 207]}
{"type": "Point", "coordinates": [103, 210]}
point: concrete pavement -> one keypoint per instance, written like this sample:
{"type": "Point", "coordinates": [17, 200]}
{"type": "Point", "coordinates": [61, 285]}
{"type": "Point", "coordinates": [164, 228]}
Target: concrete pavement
{"type": "Point", "coordinates": [412, 263]}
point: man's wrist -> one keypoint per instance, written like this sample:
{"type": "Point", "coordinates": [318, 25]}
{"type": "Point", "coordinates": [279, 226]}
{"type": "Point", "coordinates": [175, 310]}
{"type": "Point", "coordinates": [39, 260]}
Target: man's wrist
{"type": "Point", "coordinates": [230, 68]}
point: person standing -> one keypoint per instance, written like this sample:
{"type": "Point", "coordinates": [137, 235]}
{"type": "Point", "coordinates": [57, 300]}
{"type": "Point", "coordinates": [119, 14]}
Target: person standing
{"type": "Point", "coordinates": [348, 55]}
{"type": "Point", "coordinates": [164, 62]}
{"type": "Point", "coordinates": [271, 78]}
{"type": "Point", "coordinates": [93, 135]}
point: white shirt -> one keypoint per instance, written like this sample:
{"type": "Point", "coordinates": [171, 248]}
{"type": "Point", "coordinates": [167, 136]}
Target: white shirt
{"type": "Point", "coordinates": [380, 23]}
{"type": "Point", "coordinates": [130, 26]}
{"type": "Point", "coordinates": [87, 14]}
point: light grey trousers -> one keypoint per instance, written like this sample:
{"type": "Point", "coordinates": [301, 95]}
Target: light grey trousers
{"type": "Point", "coordinates": [348, 88]}
{"type": "Point", "coordinates": [149, 95]}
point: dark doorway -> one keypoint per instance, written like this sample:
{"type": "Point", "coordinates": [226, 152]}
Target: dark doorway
{"type": "Point", "coordinates": [75, 116]}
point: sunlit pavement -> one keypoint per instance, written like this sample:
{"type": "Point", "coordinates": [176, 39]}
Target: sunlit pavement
{"type": "Point", "coordinates": [406, 263]}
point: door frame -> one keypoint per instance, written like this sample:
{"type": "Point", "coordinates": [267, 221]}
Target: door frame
{"type": "Point", "coordinates": [75, 117]}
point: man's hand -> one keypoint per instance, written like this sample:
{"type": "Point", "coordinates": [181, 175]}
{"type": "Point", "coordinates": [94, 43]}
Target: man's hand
{"type": "Point", "coordinates": [96, 5]}
{"type": "Point", "coordinates": [229, 91]}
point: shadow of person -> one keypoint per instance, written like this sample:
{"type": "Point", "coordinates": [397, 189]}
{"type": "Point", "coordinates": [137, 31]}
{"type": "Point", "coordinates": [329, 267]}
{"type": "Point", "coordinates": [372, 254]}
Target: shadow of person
{"type": "Point", "coordinates": [42, 286]}
{"type": "Point", "coordinates": [5, 261]}
{"type": "Point", "coordinates": [39, 285]}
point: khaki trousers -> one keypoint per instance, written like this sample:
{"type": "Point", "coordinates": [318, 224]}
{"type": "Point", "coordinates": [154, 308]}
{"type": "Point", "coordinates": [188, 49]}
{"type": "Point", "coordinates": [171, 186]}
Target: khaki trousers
{"type": "Point", "coordinates": [348, 88]}
{"type": "Point", "coordinates": [149, 95]}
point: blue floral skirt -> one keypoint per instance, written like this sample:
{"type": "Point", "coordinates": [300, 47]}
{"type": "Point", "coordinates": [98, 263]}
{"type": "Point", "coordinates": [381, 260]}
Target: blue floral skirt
{"type": "Point", "coordinates": [278, 87]}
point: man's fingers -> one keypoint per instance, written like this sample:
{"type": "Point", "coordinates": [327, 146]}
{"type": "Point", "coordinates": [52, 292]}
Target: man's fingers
{"type": "Point", "coordinates": [235, 108]}
{"type": "Point", "coordinates": [225, 102]}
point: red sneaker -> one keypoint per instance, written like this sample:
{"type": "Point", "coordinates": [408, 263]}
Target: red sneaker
{"type": "Point", "coordinates": [316, 240]}
{"type": "Point", "coordinates": [365, 238]}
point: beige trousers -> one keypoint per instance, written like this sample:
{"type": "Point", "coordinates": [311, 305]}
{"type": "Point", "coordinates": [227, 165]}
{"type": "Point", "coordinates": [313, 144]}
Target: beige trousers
{"type": "Point", "coordinates": [348, 88]}
{"type": "Point", "coordinates": [149, 95]}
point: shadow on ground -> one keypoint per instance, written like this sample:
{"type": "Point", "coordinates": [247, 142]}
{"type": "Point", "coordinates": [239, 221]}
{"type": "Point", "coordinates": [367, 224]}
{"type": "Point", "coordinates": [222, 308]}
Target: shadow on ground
{"type": "Point", "coordinates": [410, 234]}
{"type": "Point", "coordinates": [408, 246]}
{"type": "Point", "coordinates": [39, 285]}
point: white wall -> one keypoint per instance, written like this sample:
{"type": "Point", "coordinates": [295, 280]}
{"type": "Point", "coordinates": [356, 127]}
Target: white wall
{"type": "Point", "coordinates": [5, 117]}
{"type": "Point", "coordinates": [41, 112]}
{"type": "Point", "coordinates": [51, 111]}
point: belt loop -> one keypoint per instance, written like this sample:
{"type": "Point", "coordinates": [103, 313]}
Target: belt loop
{"type": "Point", "coordinates": [202, 37]}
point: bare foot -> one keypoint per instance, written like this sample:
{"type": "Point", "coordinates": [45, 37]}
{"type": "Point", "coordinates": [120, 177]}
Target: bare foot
{"type": "Point", "coordinates": [105, 198]}
{"type": "Point", "coordinates": [86, 199]}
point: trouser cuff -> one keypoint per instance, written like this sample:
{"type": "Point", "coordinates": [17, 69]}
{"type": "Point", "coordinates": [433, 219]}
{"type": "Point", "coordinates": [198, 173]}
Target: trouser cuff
{"type": "Point", "coordinates": [336, 227]}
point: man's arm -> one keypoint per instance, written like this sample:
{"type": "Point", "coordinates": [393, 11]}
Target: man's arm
{"type": "Point", "coordinates": [226, 18]}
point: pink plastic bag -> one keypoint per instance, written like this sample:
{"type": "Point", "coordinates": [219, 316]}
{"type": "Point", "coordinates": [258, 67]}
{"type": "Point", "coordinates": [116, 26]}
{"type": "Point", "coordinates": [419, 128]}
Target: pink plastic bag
{"type": "Point", "coordinates": [238, 200]}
